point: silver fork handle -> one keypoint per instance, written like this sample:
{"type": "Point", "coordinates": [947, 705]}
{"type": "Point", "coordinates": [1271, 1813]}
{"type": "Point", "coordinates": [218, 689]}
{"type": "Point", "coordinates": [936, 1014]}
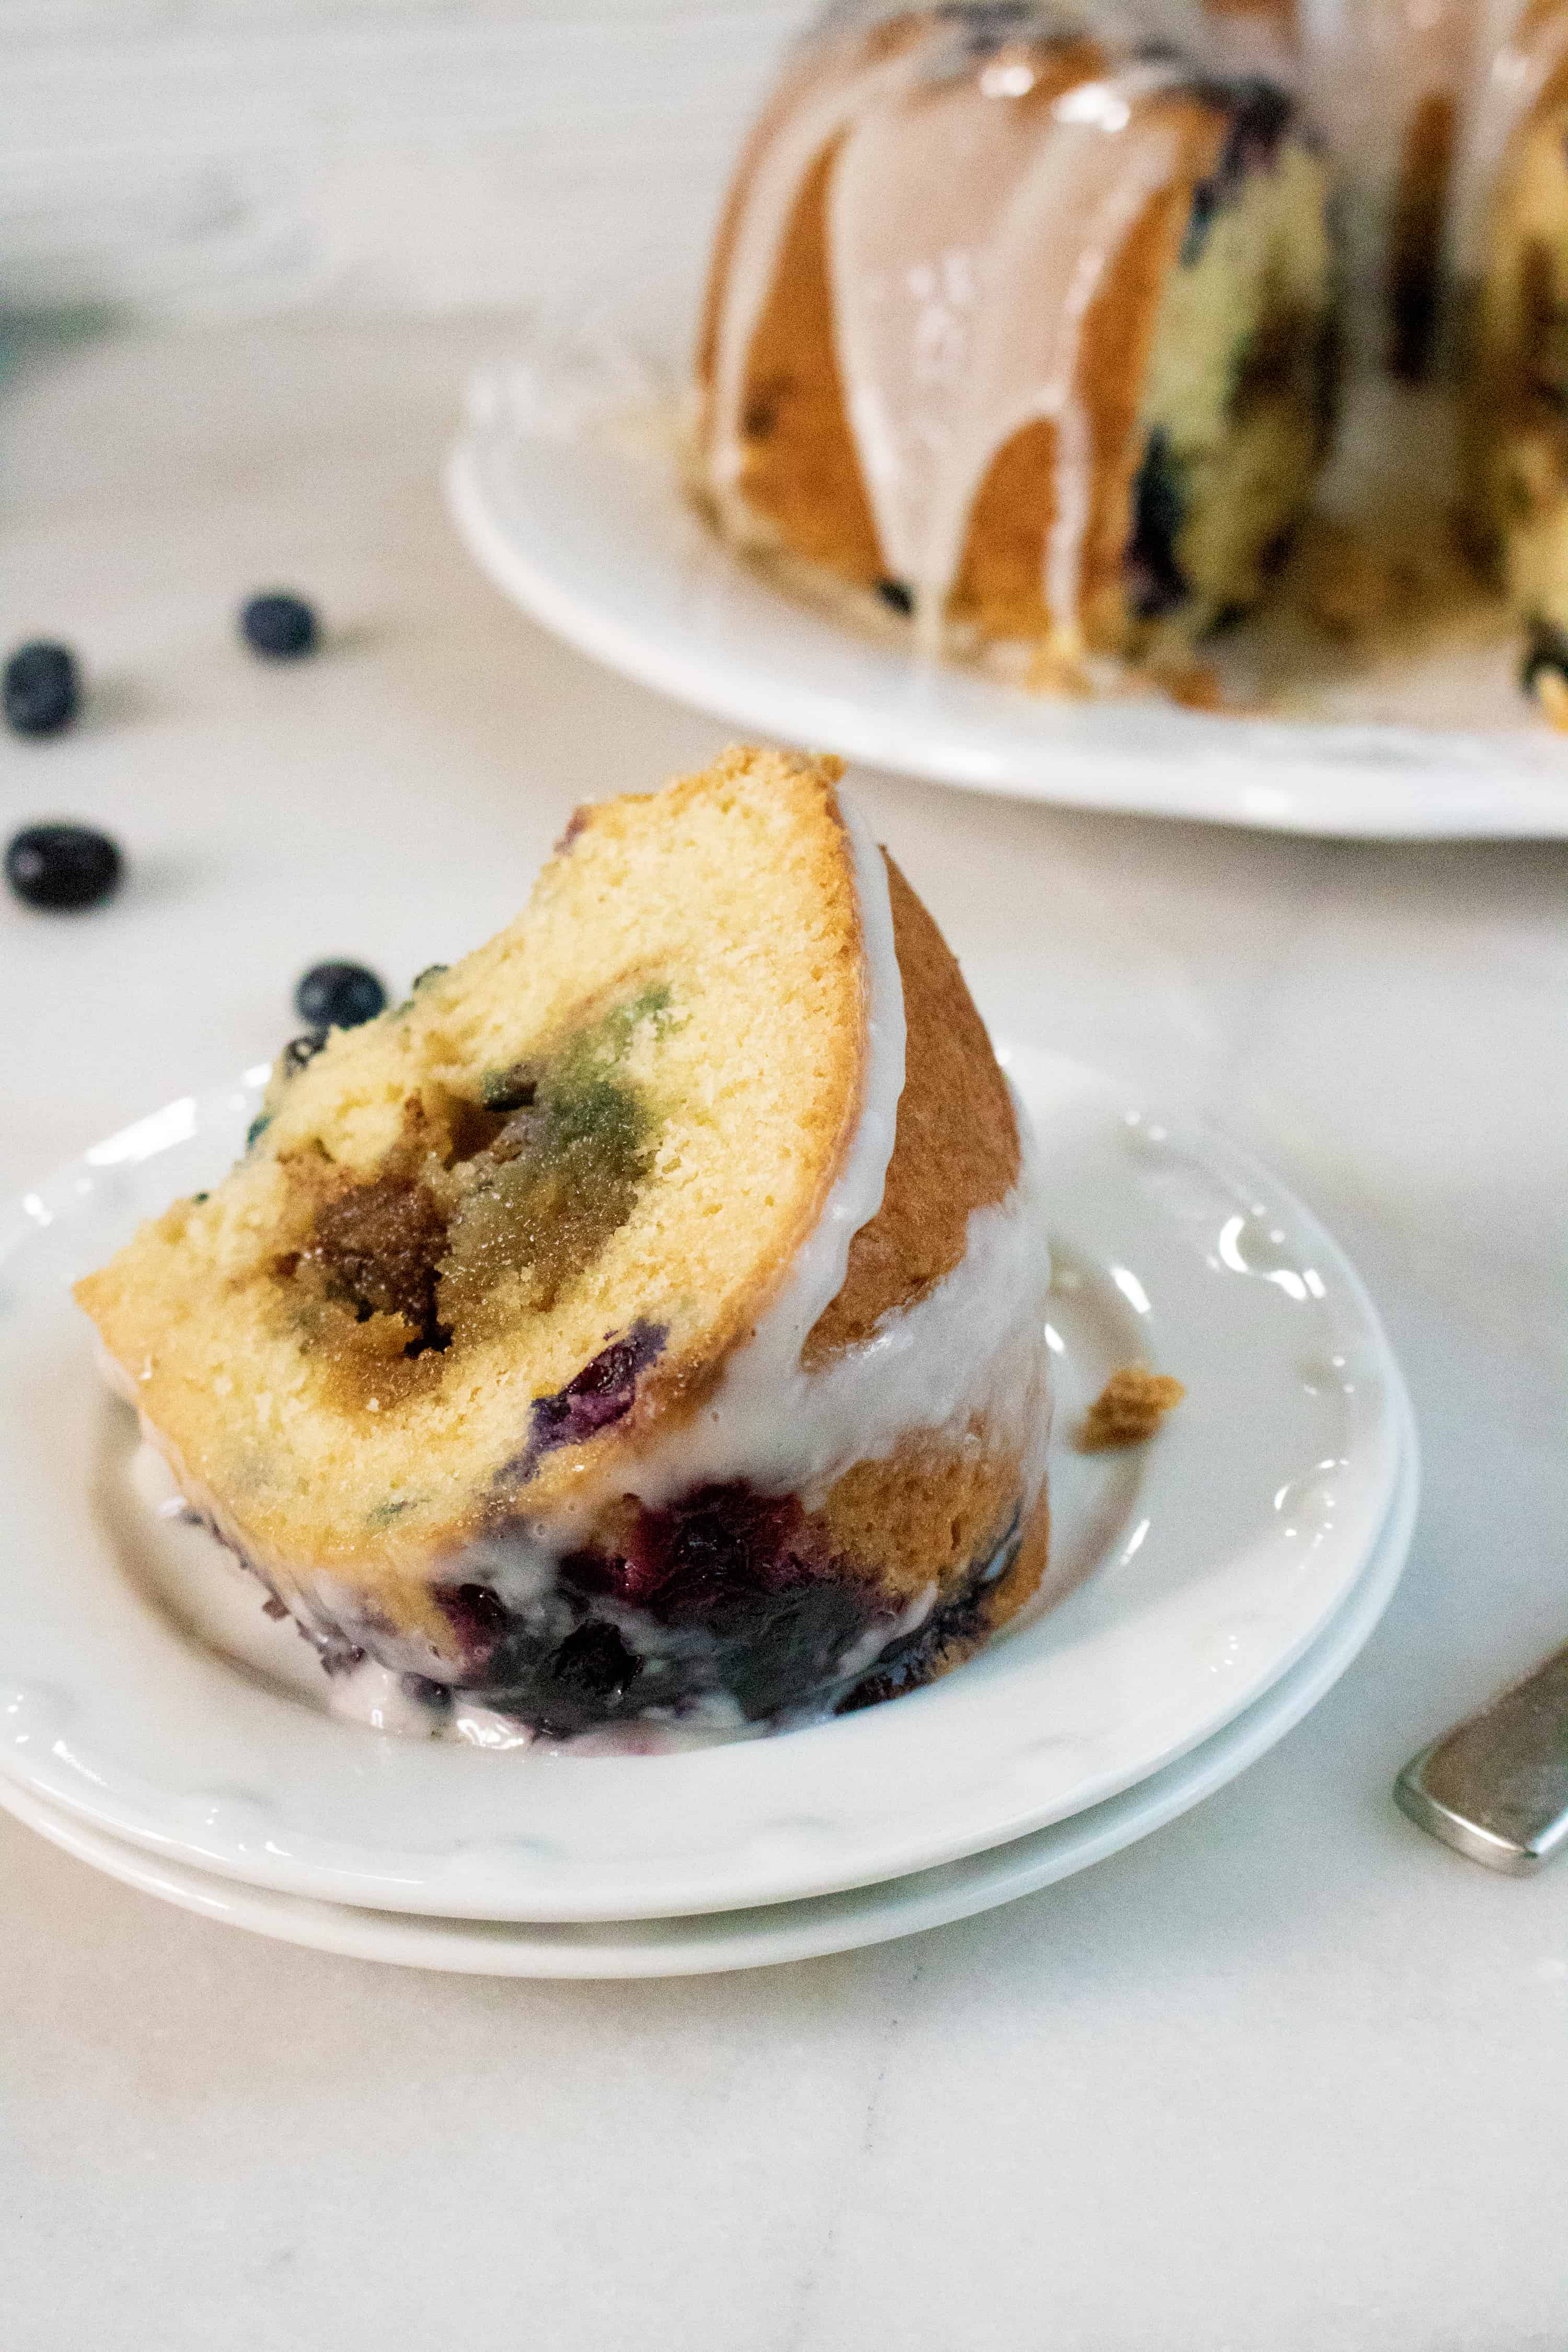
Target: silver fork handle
{"type": "Point", "coordinates": [1496, 1786]}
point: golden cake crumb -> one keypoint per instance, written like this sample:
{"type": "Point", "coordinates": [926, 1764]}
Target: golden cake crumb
{"type": "Point", "coordinates": [1129, 1408]}
{"type": "Point", "coordinates": [1054, 671]}
{"type": "Point", "coordinates": [1192, 685]}
{"type": "Point", "coordinates": [1550, 688]}
{"type": "Point", "coordinates": [1352, 588]}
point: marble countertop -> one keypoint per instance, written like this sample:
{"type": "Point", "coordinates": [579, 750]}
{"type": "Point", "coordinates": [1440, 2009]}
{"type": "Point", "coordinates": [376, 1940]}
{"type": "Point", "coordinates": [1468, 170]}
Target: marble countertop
{"type": "Point", "coordinates": [1288, 2074]}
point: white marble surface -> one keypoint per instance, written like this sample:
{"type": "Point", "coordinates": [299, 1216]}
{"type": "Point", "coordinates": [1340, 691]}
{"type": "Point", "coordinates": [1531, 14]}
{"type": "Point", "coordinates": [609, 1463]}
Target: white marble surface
{"type": "Point", "coordinates": [1288, 2074]}
{"type": "Point", "coordinates": [201, 156]}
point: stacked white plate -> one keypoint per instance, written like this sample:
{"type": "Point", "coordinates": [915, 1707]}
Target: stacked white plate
{"type": "Point", "coordinates": [1208, 1588]}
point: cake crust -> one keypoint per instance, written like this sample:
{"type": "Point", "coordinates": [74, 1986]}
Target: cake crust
{"type": "Point", "coordinates": [956, 1147]}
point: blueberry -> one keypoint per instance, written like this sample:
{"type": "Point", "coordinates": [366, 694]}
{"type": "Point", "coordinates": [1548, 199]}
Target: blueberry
{"type": "Point", "coordinates": [277, 625]}
{"type": "Point", "coordinates": [596, 1662]}
{"type": "Point", "coordinates": [602, 1393]}
{"type": "Point", "coordinates": [339, 996]}
{"type": "Point", "coordinates": [1155, 579]}
{"type": "Point", "coordinates": [427, 1691]}
{"type": "Point", "coordinates": [42, 689]}
{"type": "Point", "coordinates": [62, 865]}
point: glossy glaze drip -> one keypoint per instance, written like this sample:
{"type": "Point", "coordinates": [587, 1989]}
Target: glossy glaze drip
{"type": "Point", "coordinates": [959, 296]}
{"type": "Point", "coordinates": [1523, 53]}
{"type": "Point", "coordinates": [960, 304]}
{"type": "Point", "coordinates": [1396, 87]}
{"type": "Point", "coordinates": [974, 205]}
{"type": "Point", "coordinates": [1369, 66]}
{"type": "Point", "coordinates": [1111, 154]}
{"type": "Point", "coordinates": [818, 104]}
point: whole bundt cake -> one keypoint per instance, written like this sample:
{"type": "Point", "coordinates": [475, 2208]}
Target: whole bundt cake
{"type": "Point", "coordinates": [1023, 322]}
{"type": "Point", "coordinates": [647, 1319]}
{"type": "Point", "coordinates": [1022, 327]}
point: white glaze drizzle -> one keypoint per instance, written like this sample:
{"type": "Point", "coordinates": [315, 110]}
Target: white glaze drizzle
{"type": "Point", "coordinates": [820, 98]}
{"type": "Point", "coordinates": [1058, 241]}
{"type": "Point", "coordinates": [906, 326]}
{"type": "Point", "coordinates": [945, 356]}
{"type": "Point", "coordinates": [930, 263]}
{"type": "Point", "coordinates": [959, 294]}
{"type": "Point", "coordinates": [749, 1428]}
{"type": "Point", "coordinates": [1515, 64]}
{"type": "Point", "coordinates": [969, 1354]}
{"type": "Point", "coordinates": [217, 1604]}
{"type": "Point", "coordinates": [1365, 69]}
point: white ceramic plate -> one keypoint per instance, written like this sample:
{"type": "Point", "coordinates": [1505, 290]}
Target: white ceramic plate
{"type": "Point", "coordinates": [1218, 1553]}
{"type": "Point", "coordinates": [565, 489]}
{"type": "Point", "coordinates": [717, 1940]}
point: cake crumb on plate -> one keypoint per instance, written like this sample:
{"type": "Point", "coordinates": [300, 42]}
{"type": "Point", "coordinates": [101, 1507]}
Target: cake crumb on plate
{"type": "Point", "coordinates": [1129, 1408]}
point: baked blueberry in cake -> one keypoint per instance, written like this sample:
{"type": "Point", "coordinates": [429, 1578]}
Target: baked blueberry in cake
{"type": "Point", "coordinates": [646, 1319]}
{"type": "Point", "coordinates": [1025, 327]}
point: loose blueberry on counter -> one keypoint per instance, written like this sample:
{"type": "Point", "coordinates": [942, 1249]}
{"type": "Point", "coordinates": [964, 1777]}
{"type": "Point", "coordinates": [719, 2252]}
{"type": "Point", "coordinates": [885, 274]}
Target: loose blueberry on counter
{"type": "Point", "coordinates": [279, 627]}
{"type": "Point", "coordinates": [339, 996]}
{"type": "Point", "coordinates": [42, 690]}
{"type": "Point", "coordinates": [62, 865]}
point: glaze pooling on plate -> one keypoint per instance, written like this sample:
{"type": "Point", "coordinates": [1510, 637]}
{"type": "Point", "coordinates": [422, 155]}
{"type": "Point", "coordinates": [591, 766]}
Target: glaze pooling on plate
{"type": "Point", "coordinates": [882, 1660]}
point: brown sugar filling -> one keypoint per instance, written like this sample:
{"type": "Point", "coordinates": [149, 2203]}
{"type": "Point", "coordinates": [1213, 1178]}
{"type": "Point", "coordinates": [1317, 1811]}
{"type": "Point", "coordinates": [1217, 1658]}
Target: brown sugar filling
{"type": "Point", "coordinates": [377, 1246]}
{"type": "Point", "coordinates": [484, 1210]}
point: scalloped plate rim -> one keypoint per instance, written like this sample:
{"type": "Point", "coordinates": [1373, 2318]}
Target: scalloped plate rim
{"type": "Point", "coordinates": [815, 1928]}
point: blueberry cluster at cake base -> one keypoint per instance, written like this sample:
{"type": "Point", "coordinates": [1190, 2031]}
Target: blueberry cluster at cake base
{"type": "Point", "coordinates": [716, 1607]}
